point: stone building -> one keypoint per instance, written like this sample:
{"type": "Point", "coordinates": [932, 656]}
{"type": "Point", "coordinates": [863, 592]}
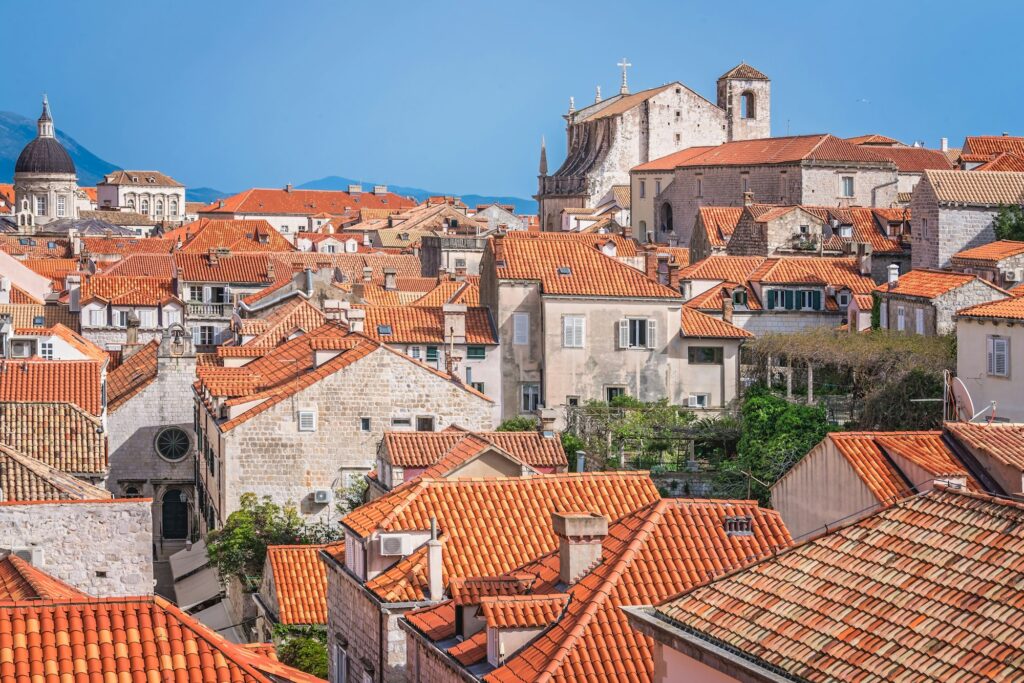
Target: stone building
{"type": "Point", "coordinates": [816, 170]}
{"type": "Point", "coordinates": [606, 139]}
{"type": "Point", "coordinates": [101, 547]}
{"type": "Point", "coordinates": [45, 182]}
{"type": "Point", "coordinates": [925, 301]}
{"type": "Point", "coordinates": [114, 310]}
{"type": "Point", "coordinates": [646, 182]}
{"type": "Point", "coordinates": [150, 193]}
{"type": "Point", "coordinates": [303, 420]}
{"type": "Point", "coordinates": [1001, 262]}
{"type": "Point", "coordinates": [953, 211]}
{"type": "Point", "coordinates": [151, 433]}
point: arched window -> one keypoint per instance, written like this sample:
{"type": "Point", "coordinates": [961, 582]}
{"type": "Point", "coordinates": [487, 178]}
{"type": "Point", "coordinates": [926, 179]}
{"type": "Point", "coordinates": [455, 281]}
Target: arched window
{"type": "Point", "coordinates": [159, 208]}
{"type": "Point", "coordinates": [145, 206]}
{"type": "Point", "coordinates": [132, 492]}
{"type": "Point", "coordinates": [748, 109]}
{"type": "Point", "coordinates": [666, 217]}
{"type": "Point", "coordinates": [131, 204]}
{"type": "Point", "coordinates": [174, 207]}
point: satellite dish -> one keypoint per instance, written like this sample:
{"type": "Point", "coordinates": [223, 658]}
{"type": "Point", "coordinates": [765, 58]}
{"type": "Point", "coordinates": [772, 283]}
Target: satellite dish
{"type": "Point", "coordinates": [963, 406]}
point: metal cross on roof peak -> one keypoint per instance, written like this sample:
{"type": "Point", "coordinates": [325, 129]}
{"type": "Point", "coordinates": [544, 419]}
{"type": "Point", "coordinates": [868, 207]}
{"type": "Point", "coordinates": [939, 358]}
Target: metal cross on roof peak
{"type": "Point", "coordinates": [624, 89]}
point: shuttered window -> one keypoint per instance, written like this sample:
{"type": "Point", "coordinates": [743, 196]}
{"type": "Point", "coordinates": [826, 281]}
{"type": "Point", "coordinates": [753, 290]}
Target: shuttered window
{"type": "Point", "coordinates": [572, 331]}
{"type": "Point", "coordinates": [520, 329]}
{"type": "Point", "coordinates": [999, 356]}
{"type": "Point", "coordinates": [919, 320]}
{"type": "Point", "coordinates": [637, 333]}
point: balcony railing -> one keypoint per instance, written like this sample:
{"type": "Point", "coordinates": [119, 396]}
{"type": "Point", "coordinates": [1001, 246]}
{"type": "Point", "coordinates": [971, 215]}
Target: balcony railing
{"type": "Point", "coordinates": [206, 310]}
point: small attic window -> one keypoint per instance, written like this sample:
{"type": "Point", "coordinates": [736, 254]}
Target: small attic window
{"type": "Point", "coordinates": [135, 178]}
{"type": "Point", "coordinates": [384, 330]}
{"type": "Point", "coordinates": [38, 321]}
{"type": "Point", "coordinates": [51, 245]}
{"type": "Point", "coordinates": [741, 525]}
{"type": "Point", "coordinates": [564, 270]}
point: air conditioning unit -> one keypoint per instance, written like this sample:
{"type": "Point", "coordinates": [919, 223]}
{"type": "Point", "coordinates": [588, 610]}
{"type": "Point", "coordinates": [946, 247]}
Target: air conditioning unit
{"type": "Point", "coordinates": [1011, 276]}
{"type": "Point", "coordinates": [321, 496]}
{"type": "Point", "coordinates": [33, 556]}
{"type": "Point", "coordinates": [395, 545]}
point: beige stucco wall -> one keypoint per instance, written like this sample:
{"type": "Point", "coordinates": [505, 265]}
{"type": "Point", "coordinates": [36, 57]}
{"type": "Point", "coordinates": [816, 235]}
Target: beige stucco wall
{"type": "Point", "coordinates": [672, 666]}
{"type": "Point", "coordinates": [972, 367]}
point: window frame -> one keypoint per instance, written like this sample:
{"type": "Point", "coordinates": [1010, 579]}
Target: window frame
{"type": "Point", "coordinates": [476, 352]}
{"type": "Point", "coordinates": [520, 328]}
{"type": "Point", "coordinates": [574, 331]}
{"type": "Point", "coordinates": [306, 420]}
{"type": "Point", "coordinates": [717, 355]}
{"type": "Point", "coordinates": [992, 343]}
{"type": "Point", "coordinates": [845, 180]}
{"type": "Point", "coordinates": [529, 401]}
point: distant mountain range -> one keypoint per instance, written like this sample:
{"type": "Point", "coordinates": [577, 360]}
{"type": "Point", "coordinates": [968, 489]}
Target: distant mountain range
{"type": "Point", "coordinates": [16, 131]}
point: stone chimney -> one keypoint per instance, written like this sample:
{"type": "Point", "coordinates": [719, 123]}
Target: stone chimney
{"type": "Point", "coordinates": [548, 416]}
{"type": "Point", "coordinates": [748, 198]}
{"type": "Point", "coordinates": [390, 279]}
{"type": "Point", "coordinates": [435, 555]}
{"type": "Point", "coordinates": [336, 310]}
{"type": "Point", "coordinates": [132, 334]}
{"type": "Point", "coordinates": [288, 187]}
{"type": "Point", "coordinates": [5, 289]}
{"type": "Point", "coordinates": [454, 323]}
{"type": "Point", "coordinates": [76, 242]}
{"type": "Point", "coordinates": [498, 247]}
{"type": "Point", "coordinates": [673, 274]}
{"type": "Point", "coordinates": [579, 542]}
{"type": "Point", "coordinates": [727, 306]}
{"type": "Point", "coordinates": [627, 231]}
{"type": "Point", "coordinates": [213, 257]}
{"type": "Point", "coordinates": [944, 144]}
{"type": "Point", "coordinates": [367, 273]}
{"type": "Point", "coordinates": [894, 274]}
{"type": "Point", "coordinates": [73, 283]}
{"type": "Point", "coordinates": [356, 320]}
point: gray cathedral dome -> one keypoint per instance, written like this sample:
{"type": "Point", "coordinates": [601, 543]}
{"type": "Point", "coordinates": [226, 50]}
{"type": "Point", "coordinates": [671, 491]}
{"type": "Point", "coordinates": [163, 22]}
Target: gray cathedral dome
{"type": "Point", "coordinates": [45, 154]}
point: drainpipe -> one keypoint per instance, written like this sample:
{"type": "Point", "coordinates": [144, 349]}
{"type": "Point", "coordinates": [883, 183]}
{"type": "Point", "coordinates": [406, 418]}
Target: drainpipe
{"type": "Point", "coordinates": [875, 189]}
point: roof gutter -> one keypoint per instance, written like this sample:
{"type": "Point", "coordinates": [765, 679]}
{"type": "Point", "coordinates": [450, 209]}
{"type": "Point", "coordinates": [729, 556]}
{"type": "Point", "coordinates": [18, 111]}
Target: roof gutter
{"type": "Point", "coordinates": [454, 664]}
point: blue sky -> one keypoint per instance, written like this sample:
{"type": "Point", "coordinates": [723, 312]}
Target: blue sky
{"type": "Point", "coordinates": [454, 96]}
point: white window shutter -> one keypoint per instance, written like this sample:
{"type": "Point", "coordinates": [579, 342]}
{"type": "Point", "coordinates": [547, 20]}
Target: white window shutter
{"type": "Point", "coordinates": [581, 334]}
{"type": "Point", "coordinates": [623, 334]}
{"type": "Point", "coordinates": [652, 332]}
{"type": "Point", "coordinates": [991, 356]}
{"type": "Point", "coordinates": [567, 331]}
{"type": "Point", "coordinates": [1000, 353]}
{"type": "Point", "coordinates": [195, 336]}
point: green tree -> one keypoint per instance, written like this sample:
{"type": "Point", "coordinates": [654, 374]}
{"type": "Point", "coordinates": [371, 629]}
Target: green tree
{"type": "Point", "coordinates": [520, 423]}
{"type": "Point", "coordinates": [351, 497]}
{"type": "Point", "coordinates": [892, 407]}
{"type": "Point", "coordinates": [306, 653]}
{"type": "Point", "coordinates": [239, 548]}
{"type": "Point", "coordinates": [1009, 223]}
{"type": "Point", "coordinates": [570, 444]}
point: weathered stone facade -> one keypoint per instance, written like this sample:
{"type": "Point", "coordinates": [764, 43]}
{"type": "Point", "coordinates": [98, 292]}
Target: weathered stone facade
{"type": "Point", "coordinates": [103, 548]}
{"type": "Point", "coordinates": [268, 455]}
{"type": "Point", "coordinates": [772, 234]}
{"type": "Point", "coordinates": [936, 315]}
{"type": "Point", "coordinates": [941, 231]}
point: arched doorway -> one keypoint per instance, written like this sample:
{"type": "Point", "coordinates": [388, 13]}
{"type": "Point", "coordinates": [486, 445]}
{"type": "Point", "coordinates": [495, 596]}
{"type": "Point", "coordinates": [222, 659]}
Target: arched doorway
{"type": "Point", "coordinates": [174, 516]}
{"type": "Point", "coordinates": [666, 217]}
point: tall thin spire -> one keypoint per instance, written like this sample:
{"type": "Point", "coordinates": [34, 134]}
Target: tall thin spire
{"type": "Point", "coordinates": [597, 95]}
{"type": "Point", "coordinates": [543, 156]}
{"type": "Point", "coordinates": [45, 123]}
{"type": "Point", "coordinates": [572, 104]}
{"type": "Point", "coordinates": [624, 88]}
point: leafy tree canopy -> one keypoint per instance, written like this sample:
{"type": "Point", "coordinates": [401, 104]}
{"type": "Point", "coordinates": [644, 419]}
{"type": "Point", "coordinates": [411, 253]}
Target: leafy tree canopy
{"type": "Point", "coordinates": [520, 423]}
{"type": "Point", "coordinates": [1009, 223]}
{"type": "Point", "coordinates": [306, 653]}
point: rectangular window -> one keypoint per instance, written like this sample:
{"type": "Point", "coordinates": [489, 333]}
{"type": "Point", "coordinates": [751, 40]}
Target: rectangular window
{"type": "Point", "coordinates": [432, 356]}
{"type": "Point", "coordinates": [46, 350]}
{"type": "Point", "coordinates": [643, 189]}
{"type": "Point", "coordinates": [901, 319]}
{"type": "Point", "coordinates": [98, 318]}
{"type": "Point", "coordinates": [415, 352]}
{"type": "Point", "coordinates": [700, 187]}
{"type": "Point", "coordinates": [147, 318]}
{"type": "Point", "coordinates": [340, 661]}
{"type": "Point", "coordinates": [698, 400]}
{"type": "Point", "coordinates": [531, 398]}
{"type": "Point", "coordinates": [401, 422]}
{"type": "Point", "coordinates": [612, 393]}
{"type": "Point", "coordinates": [705, 355]}
{"type": "Point", "coordinates": [307, 421]}
{"type": "Point", "coordinates": [40, 206]}
{"type": "Point", "coordinates": [572, 331]}
{"type": "Point", "coordinates": [919, 320]}
{"type": "Point", "coordinates": [479, 386]}
{"type": "Point", "coordinates": [637, 333]}
{"type": "Point", "coordinates": [999, 356]}
{"type": "Point", "coordinates": [195, 293]}
{"type": "Point", "coordinates": [657, 187]}
{"type": "Point", "coordinates": [476, 352]}
{"type": "Point", "coordinates": [883, 315]}
{"type": "Point", "coordinates": [847, 185]}
{"type": "Point", "coordinates": [204, 335]}
{"type": "Point", "coordinates": [424, 424]}
{"type": "Point", "coordinates": [62, 205]}
{"type": "Point", "coordinates": [521, 329]}
{"type": "Point", "coordinates": [745, 182]}
{"type": "Point", "coordinates": [364, 424]}
{"type": "Point", "coordinates": [120, 318]}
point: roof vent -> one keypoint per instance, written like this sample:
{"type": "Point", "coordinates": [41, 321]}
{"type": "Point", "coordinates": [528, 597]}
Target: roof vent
{"type": "Point", "coordinates": [564, 270]}
{"type": "Point", "coordinates": [739, 525]}
{"type": "Point", "coordinates": [384, 330]}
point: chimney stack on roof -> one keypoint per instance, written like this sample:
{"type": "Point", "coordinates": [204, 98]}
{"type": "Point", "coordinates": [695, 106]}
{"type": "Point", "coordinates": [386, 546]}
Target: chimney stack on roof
{"type": "Point", "coordinates": [894, 274]}
{"type": "Point", "coordinates": [435, 552]}
{"type": "Point", "coordinates": [288, 187]}
{"type": "Point", "coordinates": [944, 144]}
{"type": "Point", "coordinates": [367, 273]}
{"type": "Point", "coordinates": [355, 189]}
{"type": "Point", "coordinates": [727, 306]}
{"type": "Point", "coordinates": [380, 189]}
{"type": "Point", "coordinates": [580, 535]}
{"type": "Point", "coordinates": [498, 247]}
{"type": "Point", "coordinates": [454, 323]}
{"type": "Point", "coordinates": [5, 289]}
{"type": "Point", "coordinates": [390, 279]}
{"type": "Point", "coordinates": [356, 320]}
{"type": "Point", "coordinates": [748, 198]}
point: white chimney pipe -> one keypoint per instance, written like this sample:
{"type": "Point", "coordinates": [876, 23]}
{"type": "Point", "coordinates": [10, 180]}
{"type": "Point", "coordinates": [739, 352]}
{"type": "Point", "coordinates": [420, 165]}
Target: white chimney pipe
{"type": "Point", "coordinates": [894, 274]}
{"type": "Point", "coordinates": [944, 144]}
{"type": "Point", "coordinates": [435, 582]}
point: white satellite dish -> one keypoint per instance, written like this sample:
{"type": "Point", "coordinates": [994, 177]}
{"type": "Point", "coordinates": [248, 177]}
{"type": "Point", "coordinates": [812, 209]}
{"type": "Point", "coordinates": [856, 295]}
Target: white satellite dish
{"type": "Point", "coordinates": [963, 405]}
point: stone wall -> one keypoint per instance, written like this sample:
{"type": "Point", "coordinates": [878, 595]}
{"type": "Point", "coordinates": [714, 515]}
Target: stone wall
{"type": "Point", "coordinates": [103, 548]}
{"type": "Point", "coordinates": [426, 665]}
{"type": "Point", "coordinates": [938, 312]}
{"type": "Point", "coordinates": [116, 337]}
{"type": "Point", "coordinates": [940, 231]}
{"type": "Point", "coordinates": [267, 455]}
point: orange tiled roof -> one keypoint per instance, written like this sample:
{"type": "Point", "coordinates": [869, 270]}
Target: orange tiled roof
{"type": "Point", "coordinates": [36, 246]}
{"type": "Point", "coordinates": [294, 315]}
{"type": "Point", "coordinates": [132, 639]}
{"type": "Point", "coordinates": [471, 591]}
{"type": "Point", "coordinates": [25, 478]}
{"type": "Point", "coordinates": [19, 580]}
{"type": "Point", "coordinates": [248, 269]}
{"type": "Point", "coordinates": [423, 449]}
{"type": "Point", "coordinates": [719, 223]}
{"type": "Point", "coordinates": [539, 256]}
{"type": "Point", "coordinates": [873, 139]}
{"type": "Point", "coordinates": [453, 292]}
{"type": "Point", "coordinates": [522, 611]}
{"type": "Point", "coordinates": [126, 246]}
{"type": "Point", "coordinates": [62, 381]}
{"type": "Point", "coordinates": [122, 290]}
{"type": "Point", "coordinates": [838, 272]}
{"type": "Point", "coordinates": [1003, 442]}
{"type": "Point", "coordinates": [234, 235]}
{"type": "Point", "coordinates": [912, 159]}
{"type": "Point", "coordinates": [134, 374]}
{"type": "Point", "coordinates": [993, 252]}
{"type": "Point", "coordinates": [491, 525]}
{"type": "Point", "coordinates": [697, 324]}
{"type": "Point", "coordinates": [651, 554]}
{"type": "Point", "coordinates": [424, 325]}
{"type": "Point", "coordinates": [53, 268]}
{"type": "Point", "coordinates": [60, 435]}
{"type": "Point", "coordinates": [143, 265]}
{"type": "Point", "coordinates": [71, 338]}
{"type": "Point", "coordinates": [300, 581]}
{"type": "Point", "coordinates": [1011, 308]}
{"type": "Point", "coordinates": [784, 150]}
{"type": "Point", "coordinates": [927, 284]}
{"type": "Point", "coordinates": [977, 188]}
{"type": "Point", "coordinates": [352, 265]}
{"type": "Point", "coordinates": [670, 161]}
{"type": "Point", "coordinates": [308, 202]}
{"type": "Point", "coordinates": [723, 268]}
{"type": "Point", "coordinates": [981, 147]}
{"type": "Point", "coordinates": [923, 590]}
{"type": "Point", "coordinates": [1007, 161]}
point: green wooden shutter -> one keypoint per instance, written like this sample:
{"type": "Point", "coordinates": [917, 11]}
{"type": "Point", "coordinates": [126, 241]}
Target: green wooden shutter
{"type": "Point", "coordinates": [770, 296]}
{"type": "Point", "coordinates": [817, 301]}
{"type": "Point", "coordinates": [788, 299]}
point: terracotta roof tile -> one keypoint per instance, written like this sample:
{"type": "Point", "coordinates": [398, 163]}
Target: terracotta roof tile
{"type": "Point", "coordinates": [423, 449]}
{"type": "Point", "coordinates": [143, 265]}
{"type": "Point", "coordinates": [60, 435]}
{"type": "Point", "coordinates": [308, 202]}
{"type": "Point", "coordinates": [1011, 308]}
{"type": "Point", "coordinates": [134, 374]}
{"type": "Point", "coordinates": [871, 465]}
{"type": "Point", "coordinates": [670, 161]}
{"type": "Point", "coordinates": [452, 292]}
{"type": "Point", "coordinates": [300, 581]}
{"type": "Point", "coordinates": [922, 590]}
{"type": "Point", "coordinates": [53, 268]}
{"type": "Point", "coordinates": [784, 150]}
{"type": "Point", "coordinates": [69, 337]}
{"type": "Point", "coordinates": [25, 478]}
{"type": "Point", "coordinates": [36, 246]}
{"type": "Point", "coordinates": [282, 322]}
{"type": "Point", "coordinates": [989, 146]}
{"type": "Point", "coordinates": [697, 324]}
{"type": "Point", "coordinates": [977, 188]}
{"type": "Point", "coordinates": [510, 523]}
{"type": "Point", "coordinates": [571, 265]}
{"type": "Point", "coordinates": [1003, 442]}
{"type": "Point", "coordinates": [522, 611]}
{"type": "Point", "coordinates": [424, 325]}
{"type": "Point", "coordinates": [744, 71]}
{"type": "Point", "coordinates": [991, 253]}
{"type": "Point", "coordinates": [234, 235]}
{"type": "Point", "coordinates": [128, 291]}
{"type": "Point", "coordinates": [352, 265]}
{"type": "Point", "coordinates": [912, 159]}
{"type": "Point", "coordinates": [620, 104]}
{"type": "Point", "coordinates": [873, 139]}
{"type": "Point", "coordinates": [78, 382]}
{"type": "Point", "coordinates": [19, 580]}
{"type": "Point", "coordinates": [1007, 161]}
{"type": "Point", "coordinates": [927, 284]}
{"type": "Point", "coordinates": [722, 267]}
{"type": "Point", "coordinates": [126, 246]}
{"type": "Point", "coordinates": [246, 269]}
{"type": "Point", "coordinates": [470, 591]}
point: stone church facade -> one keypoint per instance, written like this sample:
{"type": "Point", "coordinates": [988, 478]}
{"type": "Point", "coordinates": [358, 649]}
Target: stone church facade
{"type": "Point", "coordinates": [609, 137]}
{"type": "Point", "coordinates": [45, 181]}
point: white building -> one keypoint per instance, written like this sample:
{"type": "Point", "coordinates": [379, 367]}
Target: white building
{"type": "Point", "coordinates": [988, 339]}
{"type": "Point", "coordinates": [45, 184]}
{"type": "Point", "coordinates": [149, 193]}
